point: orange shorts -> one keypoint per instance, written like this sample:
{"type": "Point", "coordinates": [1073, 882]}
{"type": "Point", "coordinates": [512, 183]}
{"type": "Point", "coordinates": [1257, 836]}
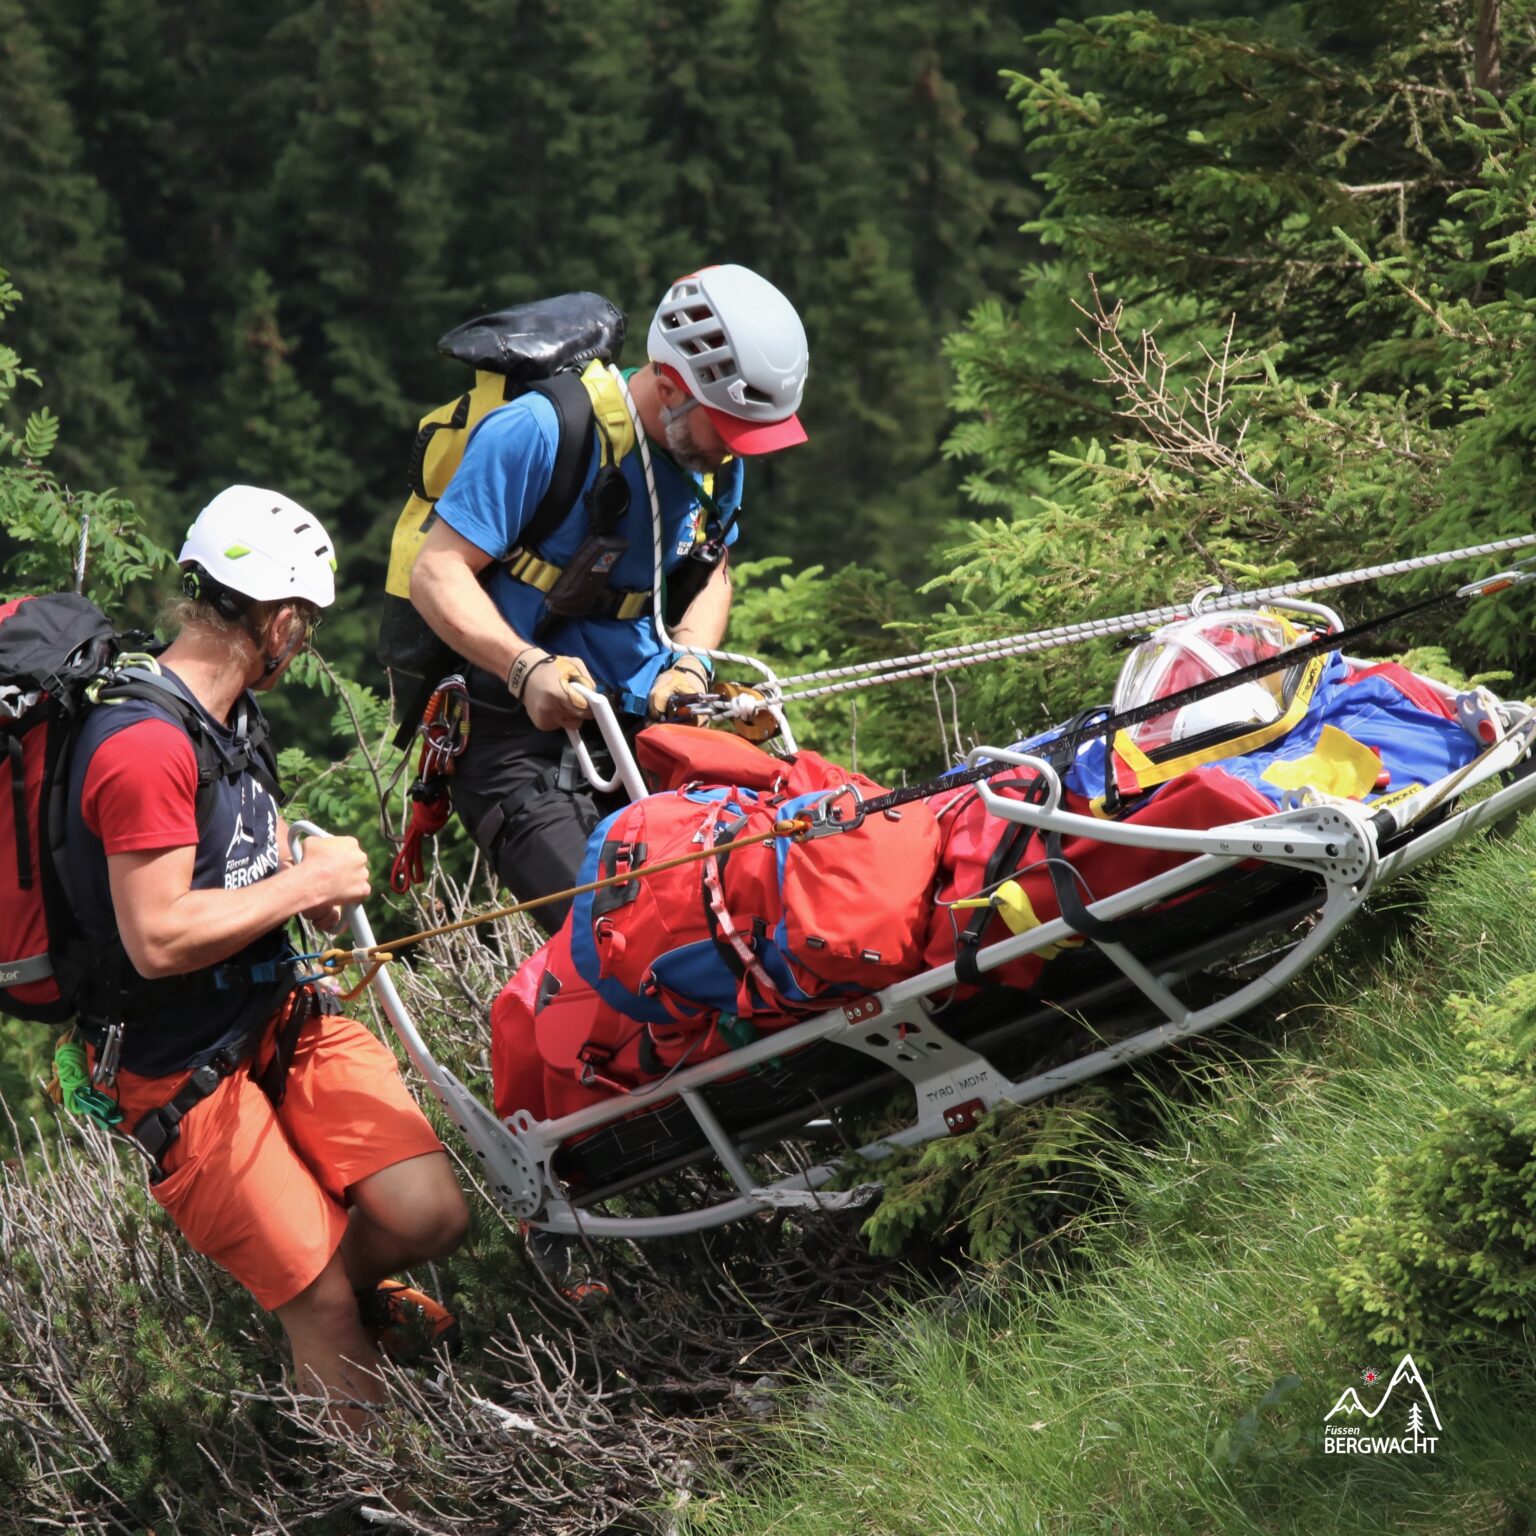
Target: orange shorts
{"type": "Point", "coordinates": [263, 1191]}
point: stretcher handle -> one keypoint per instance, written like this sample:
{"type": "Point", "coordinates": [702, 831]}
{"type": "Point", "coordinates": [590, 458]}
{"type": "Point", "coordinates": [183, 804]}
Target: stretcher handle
{"type": "Point", "coordinates": [626, 771]}
{"type": "Point", "coordinates": [355, 918]}
{"type": "Point", "coordinates": [1199, 604]}
{"type": "Point", "coordinates": [1046, 770]}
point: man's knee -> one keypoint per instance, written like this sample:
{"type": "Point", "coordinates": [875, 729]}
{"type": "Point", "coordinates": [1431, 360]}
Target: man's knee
{"type": "Point", "coordinates": [449, 1228]}
{"type": "Point", "coordinates": [535, 837]}
{"type": "Point", "coordinates": [419, 1203]}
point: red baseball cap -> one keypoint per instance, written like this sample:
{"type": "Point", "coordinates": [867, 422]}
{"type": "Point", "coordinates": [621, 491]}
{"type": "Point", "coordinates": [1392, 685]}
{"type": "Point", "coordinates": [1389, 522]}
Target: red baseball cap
{"type": "Point", "coordinates": [749, 437]}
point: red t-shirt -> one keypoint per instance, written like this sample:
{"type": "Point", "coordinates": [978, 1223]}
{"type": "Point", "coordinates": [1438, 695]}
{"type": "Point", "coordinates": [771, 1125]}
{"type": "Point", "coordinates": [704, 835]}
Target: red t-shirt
{"type": "Point", "coordinates": [140, 791]}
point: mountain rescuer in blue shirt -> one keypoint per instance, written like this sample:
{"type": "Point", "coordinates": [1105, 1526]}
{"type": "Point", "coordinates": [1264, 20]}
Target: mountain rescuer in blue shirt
{"type": "Point", "coordinates": [727, 370]}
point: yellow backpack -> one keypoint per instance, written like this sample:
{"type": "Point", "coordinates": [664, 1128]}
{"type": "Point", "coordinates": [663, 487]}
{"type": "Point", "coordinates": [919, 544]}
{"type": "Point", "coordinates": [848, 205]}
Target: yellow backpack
{"type": "Point", "coordinates": [562, 348]}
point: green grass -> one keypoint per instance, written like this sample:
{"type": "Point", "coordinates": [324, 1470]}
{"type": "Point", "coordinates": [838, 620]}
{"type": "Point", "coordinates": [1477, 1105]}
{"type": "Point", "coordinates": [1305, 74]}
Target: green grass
{"type": "Point", "coordinates": [1176, 1380]}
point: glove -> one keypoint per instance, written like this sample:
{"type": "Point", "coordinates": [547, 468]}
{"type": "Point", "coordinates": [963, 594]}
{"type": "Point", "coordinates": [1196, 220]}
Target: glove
{"type": "Point", "coordinates": [544, 690]}
{"type": "Point", "coordinates": [687, 677]}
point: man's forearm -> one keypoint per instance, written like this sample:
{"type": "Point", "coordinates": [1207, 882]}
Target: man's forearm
{"type": "Point", "coordinates": [702, 627]}
{"type": "Point", "coordinates": [169, 929]}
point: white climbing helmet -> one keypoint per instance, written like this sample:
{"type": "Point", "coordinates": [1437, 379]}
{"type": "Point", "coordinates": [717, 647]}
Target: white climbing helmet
{"type": "Point", "coordinates": [735, 343]}
{"type": "Point", "coordinates": [264, 546]}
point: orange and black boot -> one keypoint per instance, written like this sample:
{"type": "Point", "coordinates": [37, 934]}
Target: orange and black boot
{"type": "Point", "coordinates": [405, 1323]}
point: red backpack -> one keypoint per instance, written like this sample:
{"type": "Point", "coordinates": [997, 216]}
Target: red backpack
{"type": "Point", "coordinates": [51, 649]}
{"type": "Point", "coordinates": [59, 655]}
{"type": "Point", "coordinates": [760, 934]}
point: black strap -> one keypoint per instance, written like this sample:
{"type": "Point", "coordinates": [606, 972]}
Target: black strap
{"type": "Point", "coordinates": [159, 1130]}
{"type": "Point", "coordinates": [17, 756]}
{"type": "Point", "coordinates": [273, 1080]}
{"type": "Point", "coordinates": [414, 477]}
{"type": "Point", "coordinates": [252, 751]}
{"type": "Point", "coordinates": [1068, 899]}
{"type": "Point", "coordinates": [1005, 860]}
{"type": "Point", "coordinates": [573, 455]}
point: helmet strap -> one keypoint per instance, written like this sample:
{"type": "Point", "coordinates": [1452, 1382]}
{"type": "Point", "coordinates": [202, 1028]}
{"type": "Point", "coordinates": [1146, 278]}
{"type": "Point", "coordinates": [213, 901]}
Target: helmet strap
{"type": "Point", "coordinates": [271, 664]}
{"type": "Point", "coordinates": [235, 607]}
{"type": "Point", "coordinates": [671, 413]}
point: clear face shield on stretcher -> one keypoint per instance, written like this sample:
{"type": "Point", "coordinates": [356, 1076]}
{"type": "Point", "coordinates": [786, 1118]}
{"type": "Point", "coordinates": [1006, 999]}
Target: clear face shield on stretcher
{"type": "Point", "coordinates": [1193, 651]}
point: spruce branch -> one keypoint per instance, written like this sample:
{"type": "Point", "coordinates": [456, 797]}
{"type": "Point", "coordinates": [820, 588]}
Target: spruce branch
{"type": "Point", "coordinates": [1189, 426]}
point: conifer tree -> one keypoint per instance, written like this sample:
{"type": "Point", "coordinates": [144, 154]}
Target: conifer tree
{"type": "Point", "coordinates": [356, 225]}
{"type": "Point", "coordinates": [172, 106]}
{"type": "Point", "coordinates": [883, 404]}
{"type": "Point", "coordinates": [1306, 344]}
{"type": "Point", "coordinates": [58, 242]}
{"type": "Point", "coordinates": [552, 175]}
{"type": "Point", "coordinates": [263, 427]}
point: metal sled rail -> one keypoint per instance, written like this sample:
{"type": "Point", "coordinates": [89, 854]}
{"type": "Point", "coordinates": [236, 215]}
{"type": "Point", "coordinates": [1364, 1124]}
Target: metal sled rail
{"type": "Point", "coordinates": [1349, 848]}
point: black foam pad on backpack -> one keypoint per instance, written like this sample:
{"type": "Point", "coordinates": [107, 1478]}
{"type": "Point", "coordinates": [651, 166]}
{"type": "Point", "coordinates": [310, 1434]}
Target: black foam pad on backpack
{"type": "Point", "coordinates": [539, 340]}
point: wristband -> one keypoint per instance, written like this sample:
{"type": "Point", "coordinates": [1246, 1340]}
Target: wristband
{"type": "Point", "coordinates": [704, 675]}
{"type": "Point", "coordinates": [522, 666]}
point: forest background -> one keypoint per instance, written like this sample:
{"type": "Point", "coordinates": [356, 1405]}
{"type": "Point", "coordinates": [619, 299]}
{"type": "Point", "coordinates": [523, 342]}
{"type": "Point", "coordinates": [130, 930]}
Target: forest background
{"type": "Point", "coordinates": [1099, 314]}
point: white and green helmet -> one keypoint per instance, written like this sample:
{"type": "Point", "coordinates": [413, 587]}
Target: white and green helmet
{"type": "Point", "coordinates": [264, 546]}
{"type": "Point", "coordinates": [737, 346]}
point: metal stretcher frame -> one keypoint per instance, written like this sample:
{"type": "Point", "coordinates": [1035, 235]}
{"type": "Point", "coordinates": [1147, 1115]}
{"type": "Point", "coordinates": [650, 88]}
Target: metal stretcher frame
{"type": "Point", "coordinates": [1350, 848]}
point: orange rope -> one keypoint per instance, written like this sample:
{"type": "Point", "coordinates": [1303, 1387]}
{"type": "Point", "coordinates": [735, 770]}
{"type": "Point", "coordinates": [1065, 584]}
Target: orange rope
{"type": "Point", "coordinates": [333, 961]}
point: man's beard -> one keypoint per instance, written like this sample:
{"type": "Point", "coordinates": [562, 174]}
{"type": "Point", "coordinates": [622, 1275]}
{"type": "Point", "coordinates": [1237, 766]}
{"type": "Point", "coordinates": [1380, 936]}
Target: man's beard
{"type": "Point", "coordinates": [683, 447]}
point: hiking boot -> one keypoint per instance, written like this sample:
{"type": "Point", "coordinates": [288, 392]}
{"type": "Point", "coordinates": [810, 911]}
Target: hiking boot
{"type": "Point", "coordinates": [563, 1262]}
{"type": "Point", "coordinates": [405, 1324]}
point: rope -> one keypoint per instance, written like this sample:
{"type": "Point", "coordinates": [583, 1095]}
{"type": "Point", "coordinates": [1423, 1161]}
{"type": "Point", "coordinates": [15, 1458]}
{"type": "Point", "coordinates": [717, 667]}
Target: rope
{"type": "Point", "coordinates": [658, 574]}
{"type": "Point", "coordinates": [80, 552]}
{"type": "Point", "coordinates": [892, 669]}
{"type": "Point", "coordinates": [333, 961]}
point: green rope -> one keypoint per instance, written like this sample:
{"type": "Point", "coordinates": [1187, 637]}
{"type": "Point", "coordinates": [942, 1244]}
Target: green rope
{"type": "Point", "coordinates": [75, 1090]}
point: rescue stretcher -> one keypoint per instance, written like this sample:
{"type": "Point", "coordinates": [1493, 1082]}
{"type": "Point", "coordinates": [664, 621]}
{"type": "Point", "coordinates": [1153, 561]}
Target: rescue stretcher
{"type": "Point", "coordinates": [1253, 904]}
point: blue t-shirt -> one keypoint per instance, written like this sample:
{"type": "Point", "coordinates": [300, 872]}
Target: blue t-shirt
{"type": "Point", "coordinates": [492, 497]}
{"type": "Point", "coordinates": [237, 846]}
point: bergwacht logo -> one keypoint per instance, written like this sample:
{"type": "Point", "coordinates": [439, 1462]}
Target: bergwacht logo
{"type": "Point", "coordinates": [1349, 1438]}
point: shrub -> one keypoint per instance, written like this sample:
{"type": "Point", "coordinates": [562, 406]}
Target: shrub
{"type": "Point", "coordinates": [1023, 1176]}
{"type": "Point", "coordinates": [1446, 1248]}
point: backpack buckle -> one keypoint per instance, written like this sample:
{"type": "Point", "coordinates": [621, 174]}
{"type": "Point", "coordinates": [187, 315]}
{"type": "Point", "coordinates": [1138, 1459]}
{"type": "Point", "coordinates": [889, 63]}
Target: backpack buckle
{"type": "Point", "coordinates": [591, 1058]}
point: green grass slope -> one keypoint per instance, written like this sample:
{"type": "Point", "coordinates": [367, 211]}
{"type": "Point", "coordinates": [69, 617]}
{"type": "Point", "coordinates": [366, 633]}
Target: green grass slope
{"type": "Point", "coordinates": [1176, 1380]}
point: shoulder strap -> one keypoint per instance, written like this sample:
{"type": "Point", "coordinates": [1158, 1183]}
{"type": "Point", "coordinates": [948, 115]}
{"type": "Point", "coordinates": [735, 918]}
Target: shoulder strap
{"type": "Point", "coordinates": [253, 750]}
{"type": "Point", "coordinates": [573, 455]}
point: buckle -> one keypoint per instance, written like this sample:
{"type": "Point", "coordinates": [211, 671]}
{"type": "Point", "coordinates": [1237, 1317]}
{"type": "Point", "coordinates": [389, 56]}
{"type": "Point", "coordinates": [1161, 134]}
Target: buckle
{"type": "Point", "coordinates": [206, 1078]}
{"type": "Point", "coordinates": [824, 821]}
{"type": "Point", "coordinates": [155, 1132]}
{"type": "Point", "coordinates": [591, 1058]}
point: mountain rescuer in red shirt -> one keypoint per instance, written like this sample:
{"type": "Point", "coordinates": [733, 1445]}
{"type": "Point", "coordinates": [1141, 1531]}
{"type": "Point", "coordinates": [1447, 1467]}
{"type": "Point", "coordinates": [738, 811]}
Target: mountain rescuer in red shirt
{"type": "Point", "coordinates": [284, 1144]}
